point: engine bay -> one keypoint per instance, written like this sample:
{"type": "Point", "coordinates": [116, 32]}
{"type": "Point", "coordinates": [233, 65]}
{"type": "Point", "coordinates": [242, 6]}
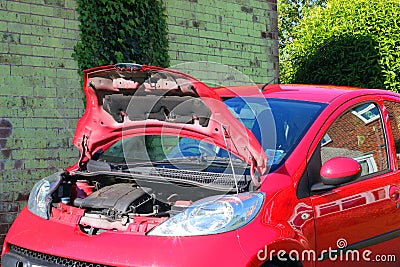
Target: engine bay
{"type": "Point", "coordinates": [134, 202]}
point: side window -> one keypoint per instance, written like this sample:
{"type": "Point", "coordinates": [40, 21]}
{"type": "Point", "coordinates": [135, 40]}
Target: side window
{"type": "Point", "coordinates": [393, 109]}
{"type": "Point", "coordinates": [358, 134]}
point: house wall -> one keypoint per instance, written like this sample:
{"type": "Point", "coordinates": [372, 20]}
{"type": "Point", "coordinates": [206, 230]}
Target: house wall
{"type": "Point", "coordinates": [40, 92]}
{"type": "Point", "coordinates": [40, 97]}
{"type": "Point", "coordinates": [242, 34]}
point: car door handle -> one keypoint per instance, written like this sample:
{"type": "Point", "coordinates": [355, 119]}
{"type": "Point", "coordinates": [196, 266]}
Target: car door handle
{"type": "Point", "coordinates": [394, 193]}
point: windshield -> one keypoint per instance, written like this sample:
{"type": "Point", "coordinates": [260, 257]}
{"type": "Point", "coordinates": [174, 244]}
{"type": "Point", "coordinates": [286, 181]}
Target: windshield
{"type": "Point", "coordinates": [160, 147]}
{"type": "Point", "coordinates": [171, 151]}
{"type": "Point", "coordinates": [278, 124]}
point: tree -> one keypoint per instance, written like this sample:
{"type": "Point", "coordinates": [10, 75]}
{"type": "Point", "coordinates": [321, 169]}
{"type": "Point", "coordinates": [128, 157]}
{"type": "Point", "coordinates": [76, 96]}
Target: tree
{"type": "Point", "coordinates": [349, 42]}
{"type": "Point", "coordinates": [290, 13]}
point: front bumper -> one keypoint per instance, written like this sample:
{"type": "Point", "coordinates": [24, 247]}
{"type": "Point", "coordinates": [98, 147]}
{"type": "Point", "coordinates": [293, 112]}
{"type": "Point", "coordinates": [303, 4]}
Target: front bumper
{"type": "Point", "coordinates": [33, 241]}
{"type": "Point", "coordinates": [21, 257]}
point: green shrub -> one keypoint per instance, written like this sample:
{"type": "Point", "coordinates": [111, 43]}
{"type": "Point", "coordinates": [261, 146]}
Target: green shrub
{"type": "Point", "coordinates": [121, 31]}
{"type": "Point", "coordinates": [349, 42]}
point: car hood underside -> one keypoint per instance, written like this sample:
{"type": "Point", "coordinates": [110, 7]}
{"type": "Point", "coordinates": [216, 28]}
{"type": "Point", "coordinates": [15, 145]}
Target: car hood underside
{"type": "Point", "coordinates": [129, 99]}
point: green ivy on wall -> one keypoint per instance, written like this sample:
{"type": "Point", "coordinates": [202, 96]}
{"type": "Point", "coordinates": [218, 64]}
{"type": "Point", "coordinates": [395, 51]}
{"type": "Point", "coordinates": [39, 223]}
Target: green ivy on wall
{"type": "Point", "coordinates": [122, 31]}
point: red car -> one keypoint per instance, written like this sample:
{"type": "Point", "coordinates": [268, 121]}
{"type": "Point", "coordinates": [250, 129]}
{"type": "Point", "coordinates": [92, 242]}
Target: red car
{"type": "Point", "coordinates": [175, 173]}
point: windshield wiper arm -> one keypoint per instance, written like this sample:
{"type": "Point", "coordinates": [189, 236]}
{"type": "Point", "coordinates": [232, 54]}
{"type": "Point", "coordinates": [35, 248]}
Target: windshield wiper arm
{"type": "Point", "coordinates": [94, 165]}
{"type": "Point", "coordinates": [192, 160]}
{"type": "Point", "coordinates": [223, 161]}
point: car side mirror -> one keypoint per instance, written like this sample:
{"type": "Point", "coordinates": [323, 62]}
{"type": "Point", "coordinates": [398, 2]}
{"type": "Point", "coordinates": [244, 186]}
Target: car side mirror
{"type": "Point", "coordinates": [340, 170]}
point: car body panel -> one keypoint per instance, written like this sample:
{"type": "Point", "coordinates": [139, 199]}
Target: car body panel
{"type": "Point", "coordinates": [358, 211]}
{"type": "Point", "coordinates": [293, 218]}
{"type": "Point", "coordinates": [234, 248]}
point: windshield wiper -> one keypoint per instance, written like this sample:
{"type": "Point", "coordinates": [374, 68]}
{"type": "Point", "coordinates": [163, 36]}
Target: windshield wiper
{"type": "Point", "coordinates": [206, 160]}
{"type": "Point", "coordinates": [213, 160]}
{"type": "Point", "coordinates": [186, 160]}
{"type": "Point", "coordinates": [95, 166]}
{"type": "Point", "coordinates": [193, 160]}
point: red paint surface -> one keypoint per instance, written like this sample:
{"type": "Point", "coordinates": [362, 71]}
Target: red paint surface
{"type": "Point", "coordinates": [355, 212]}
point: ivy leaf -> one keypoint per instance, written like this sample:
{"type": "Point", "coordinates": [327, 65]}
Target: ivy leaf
{"type": "Point", "coordinates": [120, 31]}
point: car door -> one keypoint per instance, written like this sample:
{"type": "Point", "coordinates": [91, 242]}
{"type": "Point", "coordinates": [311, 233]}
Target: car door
{"type": "Point", "coordinates": [358, 223]}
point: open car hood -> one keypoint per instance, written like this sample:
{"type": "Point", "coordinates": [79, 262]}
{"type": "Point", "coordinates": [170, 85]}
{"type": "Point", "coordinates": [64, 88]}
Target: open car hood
{"type": "Point", "coordinates": [129, 99]}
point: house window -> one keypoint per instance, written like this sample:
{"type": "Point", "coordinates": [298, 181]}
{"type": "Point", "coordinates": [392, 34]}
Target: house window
{"type": "Point", "coordinates": [366, 112]}
{"type": "Point", "coordinates": [326, 140]}
{"type": "Point", "coordinates": [368, 164]}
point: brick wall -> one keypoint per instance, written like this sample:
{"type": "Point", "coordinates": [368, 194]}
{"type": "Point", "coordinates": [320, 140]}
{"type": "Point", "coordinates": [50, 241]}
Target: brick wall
{"type": "Point", "coordinates": [40, 94]}
{"type": "Point", "coordinates": [238, 33]}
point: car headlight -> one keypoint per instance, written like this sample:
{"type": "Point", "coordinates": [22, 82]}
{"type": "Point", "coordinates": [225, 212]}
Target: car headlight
{"type": "Point", "coordinates": [212, 215]}
{"type": "Point", "coordinates": [39, 202]}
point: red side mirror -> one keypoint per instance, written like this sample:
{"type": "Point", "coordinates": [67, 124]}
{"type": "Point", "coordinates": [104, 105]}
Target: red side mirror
{"type": "Point", "coordinates": [340, 170]}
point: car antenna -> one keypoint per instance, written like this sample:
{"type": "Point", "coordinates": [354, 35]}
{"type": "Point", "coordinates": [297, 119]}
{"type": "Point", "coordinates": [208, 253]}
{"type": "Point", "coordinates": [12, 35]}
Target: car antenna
{"type": "Point", "coordinates": [225, 134]}
{"type": "Point", "coordinates": [262, 88]}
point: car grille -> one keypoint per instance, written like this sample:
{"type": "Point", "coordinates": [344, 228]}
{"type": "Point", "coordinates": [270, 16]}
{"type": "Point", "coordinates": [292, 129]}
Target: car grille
{"type": "Point", "coordinates": [52, 260]}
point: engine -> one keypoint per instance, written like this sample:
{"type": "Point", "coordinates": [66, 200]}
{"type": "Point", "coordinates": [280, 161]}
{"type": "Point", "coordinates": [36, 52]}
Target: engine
{"type": "Point", "coordinates": [120, 200]}
{"type": "Point", "coordinates": [116, 207]}
{"type": "Point", "coordinates": [136, 202]}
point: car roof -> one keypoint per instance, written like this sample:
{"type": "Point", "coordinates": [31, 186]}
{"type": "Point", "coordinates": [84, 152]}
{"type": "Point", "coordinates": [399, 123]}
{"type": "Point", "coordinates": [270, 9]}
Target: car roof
{"type": "Point", "coordinates": [312, 93]}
